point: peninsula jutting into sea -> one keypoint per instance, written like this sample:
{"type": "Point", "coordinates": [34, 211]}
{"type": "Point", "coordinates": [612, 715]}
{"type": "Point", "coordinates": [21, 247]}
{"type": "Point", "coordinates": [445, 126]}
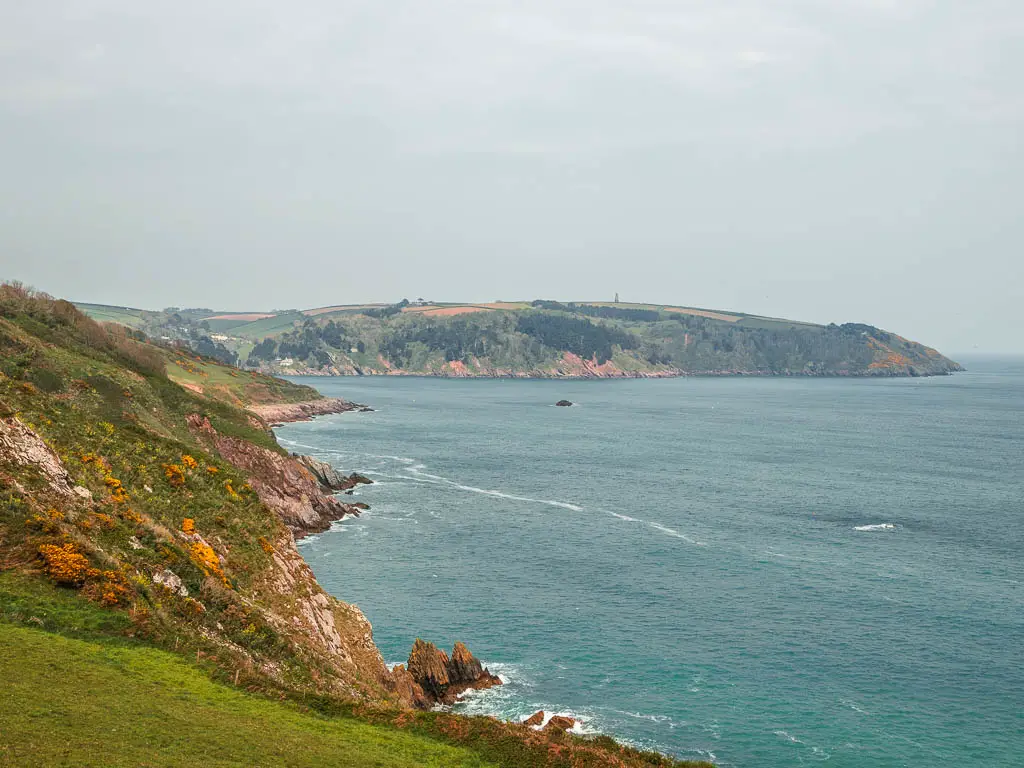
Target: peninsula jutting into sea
{"type": "Point", "coordinates": [531, 339]}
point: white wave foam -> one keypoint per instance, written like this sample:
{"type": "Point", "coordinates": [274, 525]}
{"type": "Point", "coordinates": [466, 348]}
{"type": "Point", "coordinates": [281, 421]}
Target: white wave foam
{"type": "Point", "coordinates": [580, 728]}
{"type": "Point", "coordinates": [627, 518]}
{"type": "Point", "coordinates": [853, 706]}
{"type": "Point", "coordinates": [672, 532]}
{"type": "Point", "coordinates": [653, 718]}
{"type": "Point", "coordinates": [417, 471]}
{"type": "Point", "coordinates": [875, 527]}
{"type": "Point", "coordinates": [788, 736]}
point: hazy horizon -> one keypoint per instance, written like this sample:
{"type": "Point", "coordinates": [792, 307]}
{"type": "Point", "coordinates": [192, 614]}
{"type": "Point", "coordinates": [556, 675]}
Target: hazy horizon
{"type": "Point", "coordinates": [859, 162]}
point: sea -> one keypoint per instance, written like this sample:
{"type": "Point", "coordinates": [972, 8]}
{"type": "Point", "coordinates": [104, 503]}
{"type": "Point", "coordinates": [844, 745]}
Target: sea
{"type": "Point", "coordinates": [759, 572]}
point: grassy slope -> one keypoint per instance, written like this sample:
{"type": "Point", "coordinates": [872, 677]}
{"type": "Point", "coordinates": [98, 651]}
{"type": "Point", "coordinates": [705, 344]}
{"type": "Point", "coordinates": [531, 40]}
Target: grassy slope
{"type": "Point", "coordinates": [270, 326]}
{"type": "Point", "coordinates": [108, 314]}
{"type": "Point", "coordinates": [240, 388]}
{"type": "Point", "coordinates": [73, 702]}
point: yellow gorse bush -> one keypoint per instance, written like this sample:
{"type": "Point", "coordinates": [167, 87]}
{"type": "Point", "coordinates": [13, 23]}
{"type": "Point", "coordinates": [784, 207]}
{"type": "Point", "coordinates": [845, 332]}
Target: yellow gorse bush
{"type": "Point", "coordinates": [65, 564]}
{"type": "Point", "coordinates": [175, 474]}
{"type": "Point", "coordinates": [204, 556]}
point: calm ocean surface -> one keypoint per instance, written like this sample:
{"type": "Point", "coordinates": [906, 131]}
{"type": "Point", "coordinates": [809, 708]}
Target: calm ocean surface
{"type": "Point", "coordinates": [760, 572]}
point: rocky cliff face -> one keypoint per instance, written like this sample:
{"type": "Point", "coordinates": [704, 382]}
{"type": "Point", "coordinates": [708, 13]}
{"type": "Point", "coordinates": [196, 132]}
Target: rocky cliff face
{"type": "Point", "coordinates": [328, 635]}
{"type": "Point", "coordinates": [281, 482]}
{"type": "Point", "coordinates": [23, 447]}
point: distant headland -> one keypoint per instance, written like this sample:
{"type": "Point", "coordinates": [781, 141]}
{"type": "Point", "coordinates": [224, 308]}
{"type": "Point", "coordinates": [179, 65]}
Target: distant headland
{"type": "Point", "coordinates": [531, 339]}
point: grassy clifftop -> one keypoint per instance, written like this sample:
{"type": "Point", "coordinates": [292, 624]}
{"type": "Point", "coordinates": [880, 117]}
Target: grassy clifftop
{"type": "Point", "coordinates": [152, 602]}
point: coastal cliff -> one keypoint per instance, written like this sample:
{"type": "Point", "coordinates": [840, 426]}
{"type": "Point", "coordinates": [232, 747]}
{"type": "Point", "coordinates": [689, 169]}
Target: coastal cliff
{"type": "Point", "coordinates": [137, 512]}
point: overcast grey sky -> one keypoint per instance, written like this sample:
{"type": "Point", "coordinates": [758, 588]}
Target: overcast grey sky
{"type": "Point", "coordinates": [826, 160]}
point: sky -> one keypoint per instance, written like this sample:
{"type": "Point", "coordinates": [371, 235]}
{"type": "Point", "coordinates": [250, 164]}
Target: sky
{"type": "Point", "coordinates": [823, 160]}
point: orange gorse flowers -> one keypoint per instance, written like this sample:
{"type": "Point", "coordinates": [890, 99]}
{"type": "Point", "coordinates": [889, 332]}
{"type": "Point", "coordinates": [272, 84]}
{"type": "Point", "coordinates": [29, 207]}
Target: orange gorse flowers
{"type": "Point", "coordinates": [188, 462]}
{"type": "Point", "coordinates": [113, 590]}
{"type": "Point", "coordinates": [204, 556]}
{"type": "Point", "coordinates": [117, 490]}
{"type": "Point", "coordinates": [106, 521]}
{"type": "Point", "coordinates": [47, 523]}
{"type": "Point", "coordinates": [131, 514]}
{"type": "Point", "coordinates": [65, 564]}
{"type": "Point", "coordinates": [175, 474]}
{"type": "Point", "coordinates": [188, 525]}
{"type": "Point", "coordinates": [231, 491]}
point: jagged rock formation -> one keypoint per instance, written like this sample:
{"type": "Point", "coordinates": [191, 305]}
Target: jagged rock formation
{"type": "Point", "coordinates": [329, 477]}
{"type": "Point", "coordinates": [564, 403]}
{"type": "Point", "coordinates": [560, 723]}
{"type": "Point", "coordinates": [537, 718]}
{"type": "Point", "coordinates": [442, 679]}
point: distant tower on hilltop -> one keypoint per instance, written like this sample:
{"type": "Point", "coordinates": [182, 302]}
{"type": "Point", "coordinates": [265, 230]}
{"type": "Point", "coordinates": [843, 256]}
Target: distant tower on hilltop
{"type": "Point", "coordinates": [616, 297]}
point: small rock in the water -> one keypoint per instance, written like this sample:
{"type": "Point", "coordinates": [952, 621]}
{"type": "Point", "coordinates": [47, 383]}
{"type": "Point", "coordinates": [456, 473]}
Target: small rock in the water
{"type": "Point", "coordinates": [564, 402]}
{"type": "Point", "coordinates": [537, 718]}
{"type": "Point", "coordinates": [361, 505]}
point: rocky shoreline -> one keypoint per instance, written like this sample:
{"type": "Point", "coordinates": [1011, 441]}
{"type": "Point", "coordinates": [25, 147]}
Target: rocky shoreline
{"type": "Point", "coordinates": [302, 494]}
{"type": "Point", "coordinates": [304, 411]}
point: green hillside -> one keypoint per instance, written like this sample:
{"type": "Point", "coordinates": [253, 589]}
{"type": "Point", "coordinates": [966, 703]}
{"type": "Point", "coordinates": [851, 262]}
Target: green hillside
{"type": "Point", "coordinates": [129, 705]}
{"type": "Point", "coordinates": [550, 338]}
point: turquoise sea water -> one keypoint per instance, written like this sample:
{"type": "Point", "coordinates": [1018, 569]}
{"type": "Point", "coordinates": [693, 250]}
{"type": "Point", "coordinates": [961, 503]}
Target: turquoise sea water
{"type": "Point", "coordinates": [762, 572]}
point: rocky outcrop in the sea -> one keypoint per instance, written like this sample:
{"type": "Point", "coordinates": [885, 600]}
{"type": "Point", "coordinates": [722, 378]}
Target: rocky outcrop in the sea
{"type": "Point", "coordinates": [560, 723]}
{"type": "Point", "coordinates": [329, 477]}
{"type": "Point", "coordinates": [537, 718]}
{"type": "Point", "coordinates": [441, 678]}
{"type": "Point", "coordinates": [564, 403]}
{"type": "Point", "coordinates": [555, 723]}
{"type": "Point", "coordinates": [281, 482]}
{"type": "Point", "coordinates": [305, 411]}
{"type": "Point", "coordinates": [326, 475]}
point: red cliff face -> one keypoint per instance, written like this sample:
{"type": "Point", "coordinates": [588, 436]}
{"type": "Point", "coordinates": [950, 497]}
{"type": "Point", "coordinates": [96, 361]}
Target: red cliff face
{"type": "Point", "coordinates": [281, 482]}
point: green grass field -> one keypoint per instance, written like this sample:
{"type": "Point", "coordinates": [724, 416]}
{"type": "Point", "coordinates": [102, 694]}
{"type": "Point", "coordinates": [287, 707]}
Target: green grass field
{"type": "Point", "coordinates": [106, 314]}
{"type": "Point", "coordinates": [78, 703]}
{"type": "Point", "coordinates": [269, 326]}
{"type": "Point", "coordinates": [234, 386]}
